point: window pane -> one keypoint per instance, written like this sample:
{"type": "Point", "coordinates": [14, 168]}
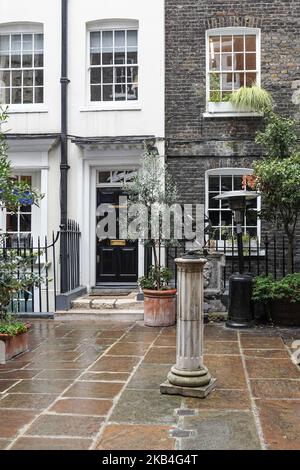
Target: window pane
{"type": "Point", "coordinates": [214, 45]}
{"type": "Point", "coordinates": [239, 80]}
{"type": "Point", "coordinates": [226, 218]}
{"type": "Point", "coordinates": [16, 42]}
{"type": "Point", "coordinates": [250, 61]}
{"type": "Point", "coordinates": [39, 95]}
{"type": "Point", "coordinates": [108, 75]}
{"type": "Point", "coordinates": [4, 61]}
{"type": "Point", "coordinates": [4, 96]}
{"type": "Point", "coordinates": [11, 223]}
{"type": "Point", "coordinates": [215, 81]}
{"type": "Point", "coordinates": [38, 42]}
{"type": "Point", "coordinates": [120, 92]}
{"type": "Point", "coordinates": [95, 38]}
{"type": "Point", "coordinates": [25, 222]}
{"type": "Point", "coordinates": [132, 92]}
{"type": "Point", "coordinates": [107, 93]}
{"type": "Point", "coordinates": [214, 183]}
{"type": "Point", "coordinates": [4, 43]}
{"type": "Point", "coordinates": [4, 78]}
{"type": "Point", "coordinates": [107, 38]}
{"type": "Point", "coordinates": [214, 217]}
{"type": "Point", "coordinates": [132, 57]}
{"type": "Point", "coordinates": [96, 93]}
{"type": "Point", "coordinates": [227, 81]}
{"type": "Point", "coordinates": [251, 217]}
{"type": "Point", "coordinates": [16, 78]}
{"type": "Point", "coordinates": [226, 43]}
{"type": "Point", "coordinates": [39, 77]}
{"type": "Point", "coordinates": [38, 60]}
{"type": "Point", "coordinates": [120, 39]}
{"type": "Point", "coordinates": [238, 183]}
{"type": "Point", "coordinates": [119, 57]}
{"type": "Point", "coordinates": [107, 57]}
{"type": "Point", "coordinates": [238, 43]}
{"type": "Point", "coordinates": [132, 74]}
{"type": "Point", "coordinates": [226, 183]}
{"type": "Point", "coordinates": [28, 95]}
{"type": "Point", "coordinates": [120, 75]}
{"type": "Point", "coordinates": [238, 62]}
{"type": "Point", "coordinates": [250, 43]}
{"type": "Point", "coordinates": [96, 76]}
{"type": "Point", "coordinates": [214, 62]}
{"type": "Point", "coordinates": [27, 42]}
{"type": "Point", "coordinates": [16, 95]}
{"type": "Point", "coordinates": [28, 78]}
{"type": "Point", "coordinates": [226, 61]}
{"type": "Point", "coordinates": [16, 61]}
{"type": "Point", "coordinates": [27, 60]}
{"type": "Point", "coordinates": [95, 59]}
{"type": "Point", "coordinates": [132, 39]}
{"type": "Point", "coordinates": [104, 177]}
{"type": "Point", "coordinates": [250, 79]}
{"type": "Point", "coordinates": [213, 203]}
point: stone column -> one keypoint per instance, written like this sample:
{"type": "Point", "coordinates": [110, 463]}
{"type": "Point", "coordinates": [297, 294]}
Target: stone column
{"type": "Point", "coordinates": [189, 377]}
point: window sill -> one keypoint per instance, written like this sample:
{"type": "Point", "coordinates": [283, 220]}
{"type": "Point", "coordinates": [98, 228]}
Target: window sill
{"type": "Point", "coordinates": [231, 114]}
{"type": "Point", "coordinates": [25, 109]}
{"type": "Point", "coordinates": [111, 107]}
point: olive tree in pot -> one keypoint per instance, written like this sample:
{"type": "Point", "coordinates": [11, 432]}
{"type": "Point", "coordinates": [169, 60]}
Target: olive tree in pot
{"type": "Point", "coordinates": [15, 267]}
{"type": "Point", "coordinates": [151, 193]}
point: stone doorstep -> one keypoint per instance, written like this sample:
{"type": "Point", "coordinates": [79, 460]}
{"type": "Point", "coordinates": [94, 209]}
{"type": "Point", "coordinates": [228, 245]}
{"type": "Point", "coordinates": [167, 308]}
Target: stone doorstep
{"type": "Point", "coordinates": [93, 314]}
{"type": "Point", "coordinates": [107, 303]}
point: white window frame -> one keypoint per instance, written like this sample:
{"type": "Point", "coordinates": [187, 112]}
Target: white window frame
{"type": "Point", "coordinates": [35, 210]}
{"type": "Point", "coordinates": [111, 25]}
{"type": "Point", "coordinates": [230, 172]}
{"type": "Point", "coordinates": [27, 28]}
{"type": "Point", "coordinates": [227, 109]}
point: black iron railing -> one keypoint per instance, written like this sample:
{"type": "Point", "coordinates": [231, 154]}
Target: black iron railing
{"type": "Point", "coordinates": [42, 262]}
{"type": "Point", "coordinates": [70, 237]}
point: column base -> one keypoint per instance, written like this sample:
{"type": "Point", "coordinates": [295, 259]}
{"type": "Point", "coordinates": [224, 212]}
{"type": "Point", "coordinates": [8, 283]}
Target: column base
{"type": "Point", "coordinates": [198, 383]}
{"type": "Point", "coordinates": [196, 392]}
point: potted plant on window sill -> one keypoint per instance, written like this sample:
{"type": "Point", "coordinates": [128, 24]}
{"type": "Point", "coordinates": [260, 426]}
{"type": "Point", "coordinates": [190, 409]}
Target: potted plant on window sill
{"type": "Point", "coordinates": [153, 191]}
{"type": "Point", "coordinates": [248, 99]}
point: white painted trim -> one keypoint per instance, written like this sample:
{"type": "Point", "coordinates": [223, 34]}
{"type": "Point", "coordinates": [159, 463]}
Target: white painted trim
{"type": "Point", "coordinates": [230, 114]}
{"type": "Point", "coordinates": [229, 172]}
{"type": "Point", "coordinates": [230, 31]}
{"type": "Point", "coordinates": [110, 107]}
{"type": "Point", "coordinates": [25, 109]}
{"type": "Point", "coordinates": [94, 161]}
{"type": "Point", "coordinates": [21, 27]}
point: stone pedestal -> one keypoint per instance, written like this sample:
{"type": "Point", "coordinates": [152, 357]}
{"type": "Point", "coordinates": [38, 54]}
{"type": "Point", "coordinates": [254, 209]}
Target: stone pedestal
{"type": "Point", "coordinates": [189, 377]}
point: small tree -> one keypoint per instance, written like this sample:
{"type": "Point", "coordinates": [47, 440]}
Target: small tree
{"type": "Point", "coordinates": [15, 272]}
{"type": "Point", "coordinates": [279, 137]}
{"type": "Point", "coordinates": [278, 181]}
{"type": "Point", "coordinates": [153, 186]}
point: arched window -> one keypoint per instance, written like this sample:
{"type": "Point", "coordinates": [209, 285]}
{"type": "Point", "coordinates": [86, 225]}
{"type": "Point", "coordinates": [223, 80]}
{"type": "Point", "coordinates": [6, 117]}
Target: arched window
{"type": "Point", "coordinates": [218, 181]}
{"type": "Point", "coordinates": [113, 60]}
{"type": "Point", "coordinates": [232, 62]}
{"type": "Point", "coordinates": [21, 64]}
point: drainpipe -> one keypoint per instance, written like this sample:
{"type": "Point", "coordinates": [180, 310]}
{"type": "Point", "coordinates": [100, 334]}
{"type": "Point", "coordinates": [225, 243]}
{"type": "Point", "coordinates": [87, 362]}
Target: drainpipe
{"type": "Point", "coordinates": [64, 167]}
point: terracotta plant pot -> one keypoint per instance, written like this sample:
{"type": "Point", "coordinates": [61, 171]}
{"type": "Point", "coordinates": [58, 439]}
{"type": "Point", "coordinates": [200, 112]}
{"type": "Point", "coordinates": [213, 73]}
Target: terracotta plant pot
{"type": "Point", "coordinates": [160, 307]}
{"type": "Point", "coordinates": [11, 346]}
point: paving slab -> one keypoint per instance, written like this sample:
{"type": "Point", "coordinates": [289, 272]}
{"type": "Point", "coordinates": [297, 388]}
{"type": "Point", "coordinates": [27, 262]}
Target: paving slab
{"type": "Point", "coordinates": [42, 443]}
{"type": "Point", "coordinates": [27, 401]}
{"type": "Point", "coordinates": [280, 421]}
{"type": "Point", "coordinates": [65, 425]}
{"type": "Point", "coordinates": [221, 430]}
{"type": "Point", "coordinates": [136, 437]}
{"type": "Point", "coordinates": [149, 376]}
{"type": "Point", "coordinates": [275, 388]}
{"type": "Point", "coordinates": [12, 421]}
{"type": "Point", "coordinates": [94, 390]}
{"type": "Point", "coordinates": [81, 406]}
{"type": "Point", "coordinates": [145, 407]}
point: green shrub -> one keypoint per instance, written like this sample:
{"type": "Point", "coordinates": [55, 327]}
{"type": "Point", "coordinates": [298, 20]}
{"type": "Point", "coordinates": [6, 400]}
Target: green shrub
{"type": "Point", "coordinates": [13, 328]}
{"type": "Point", "coordinates": [267, 289]}
{"type": "Point", "coordinates": [158, 279]}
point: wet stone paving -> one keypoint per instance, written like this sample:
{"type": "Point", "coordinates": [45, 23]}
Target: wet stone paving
{"type": "Point", "coordinates": [95, 385]}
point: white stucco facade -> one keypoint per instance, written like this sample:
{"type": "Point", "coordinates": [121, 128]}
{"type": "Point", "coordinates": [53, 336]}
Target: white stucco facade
{"type": "Point", "coordinates": [34, 128]}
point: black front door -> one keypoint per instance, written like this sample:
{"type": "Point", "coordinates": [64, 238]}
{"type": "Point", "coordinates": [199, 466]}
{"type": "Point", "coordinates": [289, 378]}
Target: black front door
{"type": "Point", "coordinates": [117, 260]}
